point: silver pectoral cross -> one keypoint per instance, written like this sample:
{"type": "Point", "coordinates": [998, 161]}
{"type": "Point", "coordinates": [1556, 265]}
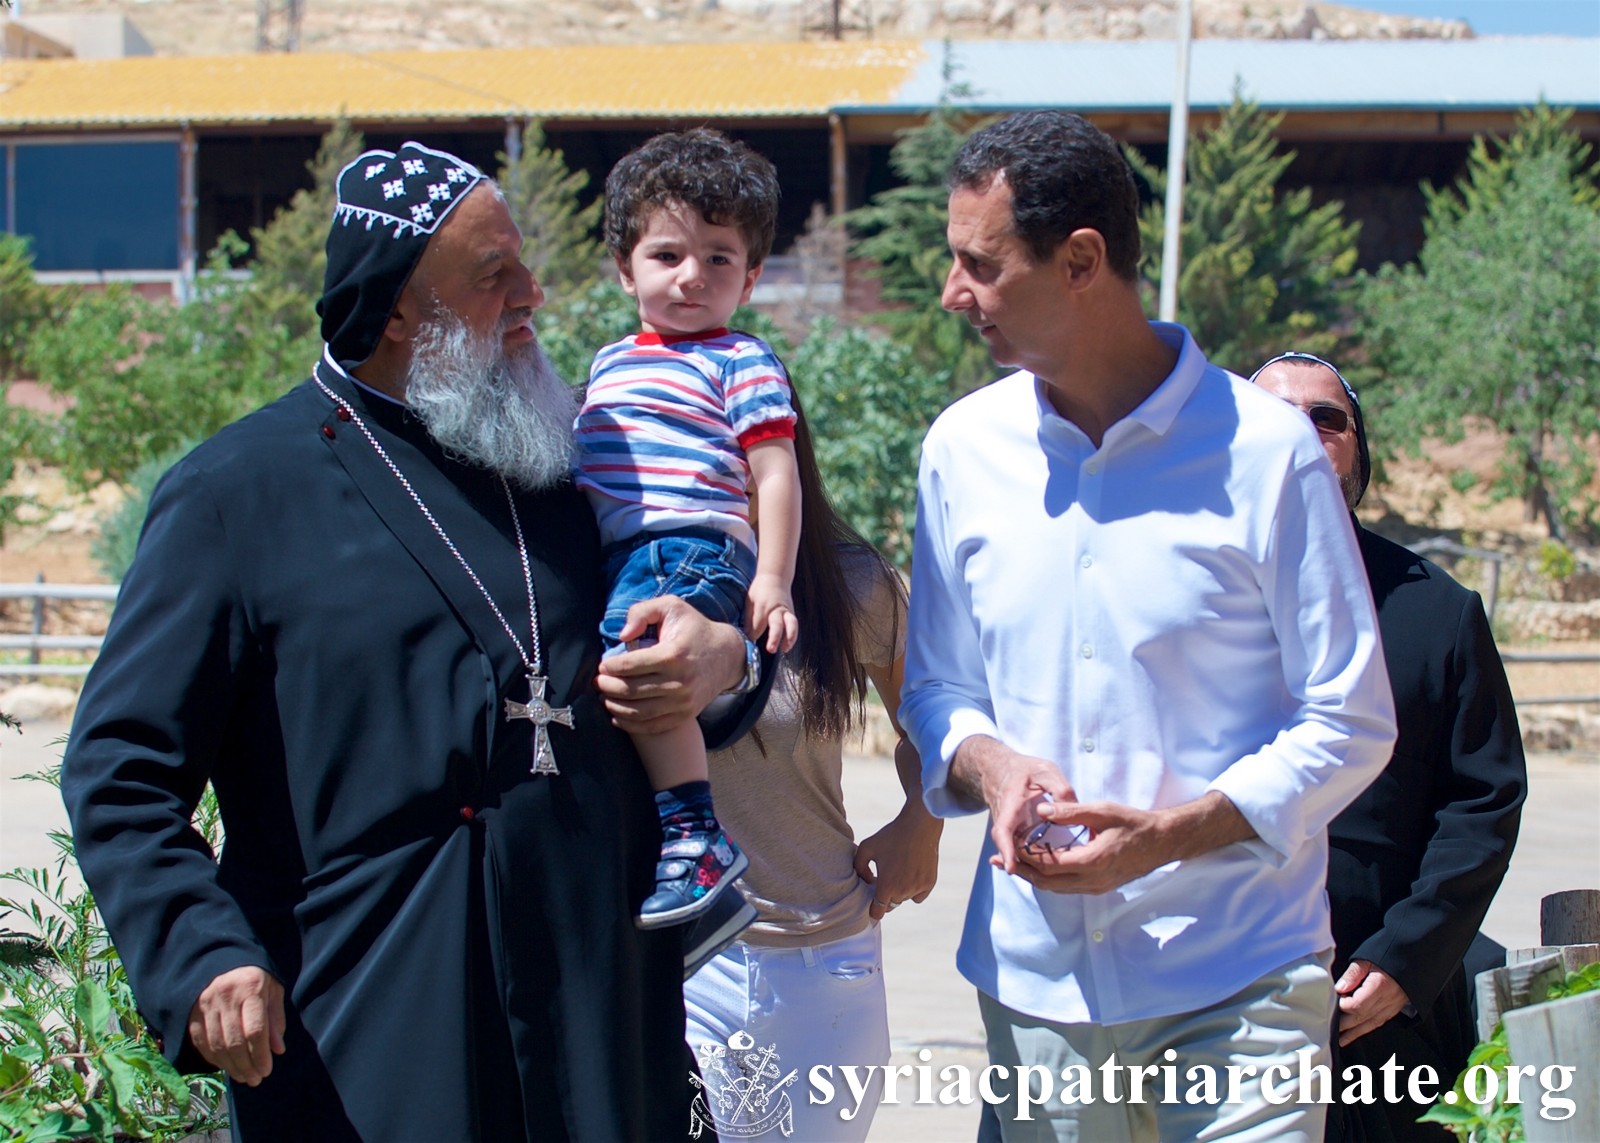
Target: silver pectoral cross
{"type": "Point", "coordinates": [539, 712]}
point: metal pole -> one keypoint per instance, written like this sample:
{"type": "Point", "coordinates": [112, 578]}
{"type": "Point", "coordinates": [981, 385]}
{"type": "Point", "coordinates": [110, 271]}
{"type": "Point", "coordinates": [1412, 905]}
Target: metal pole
{"type": "Point", "coordinates": [513, 142]}
{"type": "Point", "coordinates": [11, 189]}
{"type": "Point", "coordinates": [188, 199]}
{"type": "Point", "coordinates": [1177, 155]}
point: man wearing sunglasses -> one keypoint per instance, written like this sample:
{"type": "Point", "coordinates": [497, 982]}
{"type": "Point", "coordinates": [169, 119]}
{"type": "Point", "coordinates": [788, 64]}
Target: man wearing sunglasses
{"type": "Point", "coordinates": [1414, 862]}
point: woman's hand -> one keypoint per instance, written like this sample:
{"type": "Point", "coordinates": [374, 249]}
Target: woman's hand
{"type": "Point", "coordinates": [901, 860]}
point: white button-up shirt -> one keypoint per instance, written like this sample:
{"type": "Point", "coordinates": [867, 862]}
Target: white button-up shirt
{"type": "Point", "coordinates": [1180, 610]}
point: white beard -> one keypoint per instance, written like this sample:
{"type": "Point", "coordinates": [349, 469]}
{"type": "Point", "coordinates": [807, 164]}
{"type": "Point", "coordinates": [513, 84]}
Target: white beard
{"type": "Point", "coordinates": [505, 410]}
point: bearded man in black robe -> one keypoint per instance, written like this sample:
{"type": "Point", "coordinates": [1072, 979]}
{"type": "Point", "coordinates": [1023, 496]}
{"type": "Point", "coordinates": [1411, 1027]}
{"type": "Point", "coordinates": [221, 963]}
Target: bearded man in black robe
{"type": "Point", "coordinates": [367, 615]}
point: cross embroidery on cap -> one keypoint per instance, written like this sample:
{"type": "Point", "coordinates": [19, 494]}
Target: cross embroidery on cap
{"type": "Point", "coordinates": [443, 181]}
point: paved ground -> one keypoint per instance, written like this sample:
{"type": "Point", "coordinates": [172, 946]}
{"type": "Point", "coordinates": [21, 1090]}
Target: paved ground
{"type": "Point", "coordinates": [930, 1007]}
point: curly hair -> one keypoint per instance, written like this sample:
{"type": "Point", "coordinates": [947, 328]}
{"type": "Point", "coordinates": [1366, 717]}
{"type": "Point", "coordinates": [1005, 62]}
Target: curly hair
{"type": "Point", "coordinates": [727, 182]}
{"type": "Point", "coordinates": [1065, 174]}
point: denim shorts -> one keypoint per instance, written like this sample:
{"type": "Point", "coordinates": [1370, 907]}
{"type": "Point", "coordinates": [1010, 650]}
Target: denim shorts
{"type": "Point", "coordinates": [706, 569]}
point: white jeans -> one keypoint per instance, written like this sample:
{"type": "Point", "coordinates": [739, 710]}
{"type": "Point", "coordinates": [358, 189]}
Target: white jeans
{"type": "Point", "coordinates": [1266, 1023]}
{"type": "Point", "coordinates": [821, 1004]}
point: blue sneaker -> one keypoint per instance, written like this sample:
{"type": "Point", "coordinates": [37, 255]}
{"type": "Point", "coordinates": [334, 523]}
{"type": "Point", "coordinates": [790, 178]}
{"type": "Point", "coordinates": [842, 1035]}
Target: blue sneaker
{"type": "Point", "coordinates": [694, 868]}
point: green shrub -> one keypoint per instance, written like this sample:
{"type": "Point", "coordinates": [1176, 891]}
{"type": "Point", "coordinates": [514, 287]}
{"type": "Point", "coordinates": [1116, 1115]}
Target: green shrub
{"type": "Point", "coordinates": [120, 527]}
{"type": "Point", "coordinates": [1556, 561]}
{"type": "Point", "coordinates": [1263, 270]}
{"type": "Point", "coordinates": [144, 376]}
{"type": "Point", "coordinates": [572, 328]}
{"type": "Point", "coordinates": [76, 1060]}
{"type": "Point", "coordinates": [869, 402]}
{"type": "Point", "coordinates": [1497, 1121]}
{"type": "Point", "coordinates": [1497, 320]}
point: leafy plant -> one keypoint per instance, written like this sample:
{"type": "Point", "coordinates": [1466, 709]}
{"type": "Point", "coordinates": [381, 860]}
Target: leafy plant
{"type": "Point", "coordinates": [144, 376]}
{"type": "Point", "coordinates": [25, 303]}
{"type": "Point", "coordinates": [1499, 320]}
{"type": "Point", "coordinates": [902, 233]}
{"type": "Point", "coordinates": [869, 401]}
{"type": "Point", "coordinates": [290, 252]}
{"type": "Point", "coordinates": [573, 327]}
{"type": "Point", "coordinates": [120, 527]}
{"type": "Point", "coordinates": [546, 201]}
{"type": "Point", "coordinates": [18, 428]}
{"type": "Point", "coordinates": [1262, 270]}
{"type": "Point", "coordinates": [1556, 561]}
{"type": "Point", "coordinates": [76, 1061]}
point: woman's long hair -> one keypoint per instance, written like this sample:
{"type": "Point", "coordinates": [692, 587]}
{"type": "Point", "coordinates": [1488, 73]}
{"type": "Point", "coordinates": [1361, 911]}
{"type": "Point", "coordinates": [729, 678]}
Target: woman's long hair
{"type": "Point", "coordinates": [832, 676]}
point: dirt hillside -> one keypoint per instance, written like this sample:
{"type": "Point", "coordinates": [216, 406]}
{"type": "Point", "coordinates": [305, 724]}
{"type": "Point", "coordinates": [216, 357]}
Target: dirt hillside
{"type": "Point", "coordinates": [208, 27]}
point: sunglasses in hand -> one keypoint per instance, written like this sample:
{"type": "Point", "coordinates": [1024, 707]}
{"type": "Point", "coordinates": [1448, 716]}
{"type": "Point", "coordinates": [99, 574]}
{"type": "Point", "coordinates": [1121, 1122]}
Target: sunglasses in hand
{"type": "Point", "coordinates": [1048, 837]}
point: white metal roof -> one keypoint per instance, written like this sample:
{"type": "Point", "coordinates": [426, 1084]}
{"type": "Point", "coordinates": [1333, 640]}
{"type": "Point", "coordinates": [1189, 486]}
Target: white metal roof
{"type": "Point", "coordinates": [1487, 73]}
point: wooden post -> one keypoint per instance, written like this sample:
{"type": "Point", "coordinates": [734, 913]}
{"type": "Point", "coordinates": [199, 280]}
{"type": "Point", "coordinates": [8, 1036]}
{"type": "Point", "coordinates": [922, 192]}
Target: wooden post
{"type": "Point", "coordinates": [1515, 986]}
{"type": "Point", "coordinates": [38, 622]}
{"type": "Point", "coordinates": [1564, 1034]}
{"type": "Point", "coordinates": [838, 166]}
{"type": "Point", "coordinates": [1570, 918]}
{"type": "Point", "coordinates": [1491, 588]}
{"type": "Point", "coordinates": [1573, 957]}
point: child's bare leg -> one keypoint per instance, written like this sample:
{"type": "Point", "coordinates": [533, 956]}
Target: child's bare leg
{"type": "Point", "coordinates": [697, 860]}
{"type": "Point", "coordinates": [673, 757]}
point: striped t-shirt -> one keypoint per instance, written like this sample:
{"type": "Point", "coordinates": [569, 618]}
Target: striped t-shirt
{"type": "Point", "coordinates": [664, 428]}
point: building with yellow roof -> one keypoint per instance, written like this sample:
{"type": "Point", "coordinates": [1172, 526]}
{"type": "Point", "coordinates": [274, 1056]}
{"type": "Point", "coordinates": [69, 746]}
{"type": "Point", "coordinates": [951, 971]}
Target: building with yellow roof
{"type": "Point", "coordinates": [134, 167]}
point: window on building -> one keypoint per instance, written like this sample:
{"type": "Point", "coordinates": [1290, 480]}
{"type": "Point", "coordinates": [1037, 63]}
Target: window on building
{"type": "Point", "coordinates": [98, 205]}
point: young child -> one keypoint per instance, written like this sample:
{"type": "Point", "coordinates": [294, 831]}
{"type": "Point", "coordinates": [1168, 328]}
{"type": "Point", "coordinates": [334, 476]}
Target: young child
{"type": "Point", "coordinates": [679, 421]}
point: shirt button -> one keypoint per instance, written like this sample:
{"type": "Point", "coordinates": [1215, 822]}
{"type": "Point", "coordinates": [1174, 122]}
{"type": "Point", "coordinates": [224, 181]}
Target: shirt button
{"type": "Point", "coordinates": [468, 813]}
{"type": "Point", "coordinates": [1098, 936]}
{"type": "Point", "coordinates": [1088, 746]}
{"type": "Point", "coordinates": [343, 413]}
{"type": "Point", "coordinates": [327, 431]}
{"type": "Point", "coordinates": [1093, 466]}
{"type": "Point", "coordinates": [1086, 651]}
{"type": "Point", "coordinates": [1086, 561]}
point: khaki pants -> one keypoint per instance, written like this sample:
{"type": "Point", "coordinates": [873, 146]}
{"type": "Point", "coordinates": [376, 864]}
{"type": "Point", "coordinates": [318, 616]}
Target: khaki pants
{"type": "Point", "coordinates": [1264, 1024]}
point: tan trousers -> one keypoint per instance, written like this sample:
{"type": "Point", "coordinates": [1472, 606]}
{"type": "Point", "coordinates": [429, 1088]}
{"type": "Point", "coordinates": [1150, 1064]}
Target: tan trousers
{"type": "Point", "coordinates": [1286, 1012]}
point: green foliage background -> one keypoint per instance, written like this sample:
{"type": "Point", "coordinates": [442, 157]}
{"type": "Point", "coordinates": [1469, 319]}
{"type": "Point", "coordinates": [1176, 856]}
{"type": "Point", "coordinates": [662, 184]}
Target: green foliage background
{"type": "Point", "coordinates": [1262, 270]}
{"type": "Point", "coordinates": [1499, 319]}
{"type": "Point", "coordinates": [76, 1060]}
{"type": "Point", "coordinates": [291, 250]}
{"type": "Point", "coordinates": [901, 235]}
{"type": "Point", "coordinates": [545, 199]}
{"type": "Point", "coordinates": [144, 375]}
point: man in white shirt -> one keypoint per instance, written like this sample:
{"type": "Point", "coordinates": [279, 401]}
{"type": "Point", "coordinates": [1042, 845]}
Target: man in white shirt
{"type": "Point", "coordinates": [1137, 609]}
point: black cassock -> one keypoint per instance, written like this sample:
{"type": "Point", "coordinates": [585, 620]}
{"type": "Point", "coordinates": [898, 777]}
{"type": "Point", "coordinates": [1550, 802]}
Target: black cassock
{"type": "Point", "coordinates": [1414, 862]}
{"type": "Point", "coordinates": [455, 934]}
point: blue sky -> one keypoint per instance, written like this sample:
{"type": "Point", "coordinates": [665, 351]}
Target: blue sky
{"type": "Point", "coordinates": [1503, 17]}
